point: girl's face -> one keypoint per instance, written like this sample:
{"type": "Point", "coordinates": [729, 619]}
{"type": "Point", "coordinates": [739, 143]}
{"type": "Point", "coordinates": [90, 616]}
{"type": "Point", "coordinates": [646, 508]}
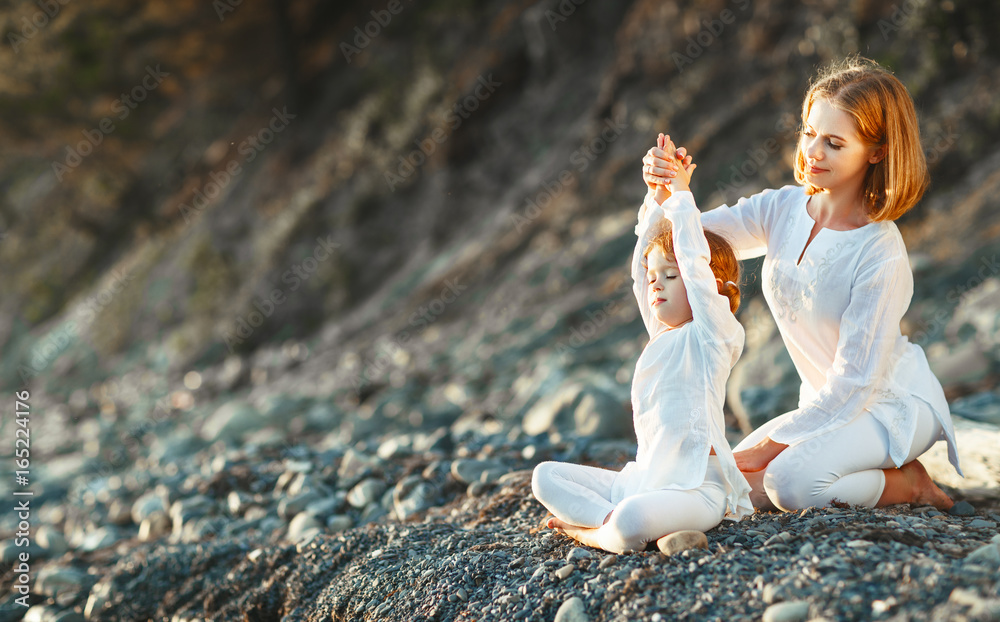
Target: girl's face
{"type": "Point", "coordinates": [836, 158]}
{"type": "Point", "coordinates": [666, 293]}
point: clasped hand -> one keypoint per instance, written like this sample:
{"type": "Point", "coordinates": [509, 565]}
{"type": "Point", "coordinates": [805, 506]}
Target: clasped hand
{"type": "Point", "coordinates": [667, 169]}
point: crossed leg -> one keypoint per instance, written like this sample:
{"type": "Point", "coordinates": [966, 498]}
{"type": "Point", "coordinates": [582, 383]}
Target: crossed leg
{"type": "Point", "coordinates": [573, 494]}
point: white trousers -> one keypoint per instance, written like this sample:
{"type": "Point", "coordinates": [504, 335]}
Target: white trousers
{"type": "Point", "coordinates": [845, 464]}
{"type": "Point", "coordinates": [583, 495]}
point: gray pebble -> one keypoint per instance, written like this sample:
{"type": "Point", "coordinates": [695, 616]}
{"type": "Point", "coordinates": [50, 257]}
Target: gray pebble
{"type": "Point", "coordinates": [791, 611]}
{"type": "Point", "coordinates": [565, 571]}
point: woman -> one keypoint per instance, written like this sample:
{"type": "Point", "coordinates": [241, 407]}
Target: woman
{"type": "Point", "coordinates": [838, 281]}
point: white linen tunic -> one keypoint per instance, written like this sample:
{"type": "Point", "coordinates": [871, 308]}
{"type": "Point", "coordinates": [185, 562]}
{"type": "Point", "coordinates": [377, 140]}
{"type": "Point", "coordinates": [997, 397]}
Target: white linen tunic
{"type": "Point", "coordinates": [838, 312]}
{"type": "Point", "coordinates": [679, 384]}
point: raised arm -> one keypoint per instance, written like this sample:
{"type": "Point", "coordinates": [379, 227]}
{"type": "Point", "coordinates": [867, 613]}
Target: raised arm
{"type": "Point", "coordinates": [650, 215]}
{"type": "Point", "coordinates": [709, 308]}
{"type": "Point", "coordinates": [745, 224]}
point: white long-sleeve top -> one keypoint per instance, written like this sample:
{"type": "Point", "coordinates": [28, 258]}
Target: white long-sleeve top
{"type": "Point", "coordinates": [679, 384]}
{"type": "Point", "coordinates": [838, 312]}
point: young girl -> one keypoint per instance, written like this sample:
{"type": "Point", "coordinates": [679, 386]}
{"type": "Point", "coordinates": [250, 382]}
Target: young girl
{"type": "Point", "coordinates": [837, 278]}
{"type": "Point", "coordinates": [684, 475]}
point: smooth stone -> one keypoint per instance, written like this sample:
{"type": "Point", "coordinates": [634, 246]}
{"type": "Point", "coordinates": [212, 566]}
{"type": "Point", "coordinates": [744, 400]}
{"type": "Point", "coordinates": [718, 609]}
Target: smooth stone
{"type": "Point", "coordinates": [366, 492]}
{"type": "Point", "coordinates": [791, 611]}
{"type": "Point", "coordinates": [981, 608]}
{"type": "Point", "coordinates": [410, 500]}
{"type": "Point", "coordinates": [237, 502]}
{"type": "Point", "coordinates": [962, 508]}
{"type": "Point", "coordinates": [154, 526]}
{"type": "Point", "coordinates": [52, 540]}
{"type": "Point", "coordinates": [778, 538]}
{"type": "Point", "coordinates": [468, 471]}
{"type": "Point", "coordinates": [476, 489]}
{"type": "Point", "coordinates": [119, 513]}
{"type": "Point", "coordinates": [987, 555]}
{"type": "Point", "coordinates": [807, 549]}
{"type": "Point", "coordinates": [183, 510]}
{"type": "Point", "coordinates": [679, 541]}
{"type": "Point", "coordinates": [100, 594]}
{"type": "Point", "coordinates": [578, 553]}
{"type": "Point", "coordinates": [322, 508]}
{"type": "Point", "coordinates": [564, 572]}
{"type": "Point", "coordinates": [572, 610]}
{"type": "Point", "coordinates": [355, 464]}
{"type": "Point", "coordinates": [301, 525]}
{"type": "Point", "coordinates": [982, 524]}
{"type": "Point", "coordinates": [339, 522]}
{"type": "Point", "coordinates": [53, 580]}
{"type": "Point", "coordinates": [39, 613]}
{"type": "Point", "coordinates": [98, 539]}
{"type": "Point", "coordinates": [290, 506]}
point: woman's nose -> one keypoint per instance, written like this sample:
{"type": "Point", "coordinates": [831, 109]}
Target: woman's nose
{"type": "Point", "coordinates": [813, 151]}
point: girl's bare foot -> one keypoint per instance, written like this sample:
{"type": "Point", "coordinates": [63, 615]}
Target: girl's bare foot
{"type": "Point", "coordinates": [925, 491]}
{"type": "Point", "coordinates": [583, 535]}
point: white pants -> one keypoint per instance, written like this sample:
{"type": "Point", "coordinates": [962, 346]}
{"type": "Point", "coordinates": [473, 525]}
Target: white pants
{"type": "Point", "coordinates": [845, 464]}
{"type": "Point", "coordinates": [583, 495]}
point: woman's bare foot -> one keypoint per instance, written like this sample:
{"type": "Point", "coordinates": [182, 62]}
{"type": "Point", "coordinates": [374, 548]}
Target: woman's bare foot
{"type": "Point", "coordinates": [925, 491]}
{"type": "Point", "coordinates": [910, 483]}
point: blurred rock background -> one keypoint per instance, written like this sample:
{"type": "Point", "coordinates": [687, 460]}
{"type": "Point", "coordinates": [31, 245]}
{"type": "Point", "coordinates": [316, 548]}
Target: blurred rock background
{"type": "Point", "coordinates": [354, 220]}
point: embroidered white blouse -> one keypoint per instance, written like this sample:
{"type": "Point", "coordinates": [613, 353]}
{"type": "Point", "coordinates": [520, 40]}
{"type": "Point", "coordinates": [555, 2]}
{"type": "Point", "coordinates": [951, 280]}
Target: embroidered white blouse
{"type": "Point", "coordinates": [838, 312]}
{"type": "Point", "coordinates": [679, 384]}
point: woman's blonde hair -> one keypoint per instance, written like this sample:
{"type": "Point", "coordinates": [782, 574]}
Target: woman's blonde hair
{"type": "Point", "coordinates": [883, 112]}
{"type": "Point", "coordinates": [722, 262]}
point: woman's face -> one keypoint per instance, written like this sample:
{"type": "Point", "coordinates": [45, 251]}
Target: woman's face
{"type": "Point", "coordinates": [835, 156]}
{"type": "Point", "coordinates": [666, 293]}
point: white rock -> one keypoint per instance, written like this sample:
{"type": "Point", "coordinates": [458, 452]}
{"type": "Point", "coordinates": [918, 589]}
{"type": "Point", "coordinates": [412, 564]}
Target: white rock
{"type": "Point", "coordinates": [572, 610]}
{"type": "Point", "coordinates": [791, 611]}
{"type": "Point", "coordinates": [366, 492]}
{"type": "Point", "coordinates": [301, 526]}
{"type": "Point", "coordinates": [679, 541]}
{"type": "Point", "coordinates": [147, 504]}
{"type": "Point", "coordinates": [154, 526]}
